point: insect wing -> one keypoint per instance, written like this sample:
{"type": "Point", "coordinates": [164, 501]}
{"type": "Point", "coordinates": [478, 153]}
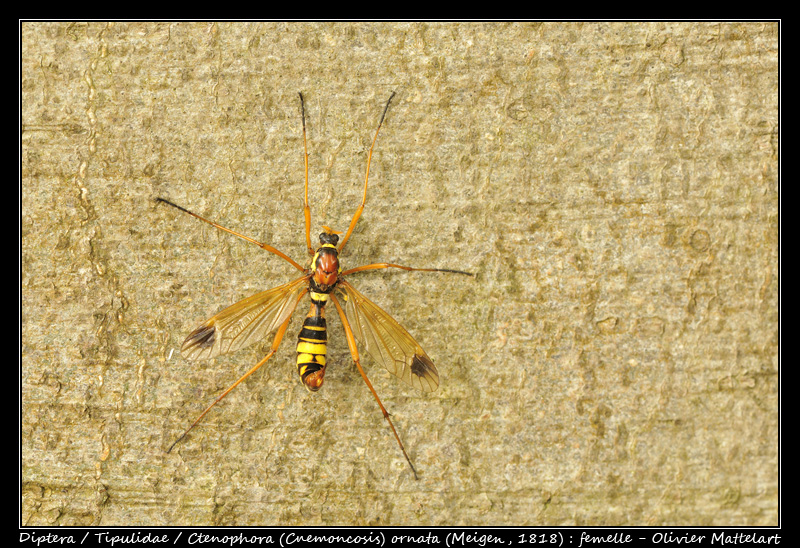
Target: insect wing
{"type": "Point", "coordinates": [388, 342]}
{"type": "Point", "coordinates": [244, 323]}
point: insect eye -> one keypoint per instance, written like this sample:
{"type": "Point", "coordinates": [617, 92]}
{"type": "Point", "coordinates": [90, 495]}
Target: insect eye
{"type": "Point", "coordinates": [328, 238]}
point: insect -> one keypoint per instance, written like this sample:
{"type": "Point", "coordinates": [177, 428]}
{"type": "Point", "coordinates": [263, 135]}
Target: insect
{"type": "Point", "coordinates": [262, 314]}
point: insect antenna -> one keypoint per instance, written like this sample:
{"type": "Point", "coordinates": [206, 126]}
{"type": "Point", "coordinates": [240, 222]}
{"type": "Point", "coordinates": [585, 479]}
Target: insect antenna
{"type": "Point", "coordinates": [262, 245]}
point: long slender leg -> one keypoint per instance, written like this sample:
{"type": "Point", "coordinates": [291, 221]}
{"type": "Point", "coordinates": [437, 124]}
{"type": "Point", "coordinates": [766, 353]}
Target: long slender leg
{"type": "Point", "coordinates": [377, 266]}
{"type": "Point", "coordinates": [269, 248]}
{"type": "Point", "coordinates": [306, 208]}
{"type": "Point", "coordinates": [275, 344]}
{"type": "Point", "coordinates": [351, 343]}
{"type": "Point", "coordinates": [366, 179]}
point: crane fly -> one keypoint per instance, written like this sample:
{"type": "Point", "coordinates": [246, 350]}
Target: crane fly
{"type": "Point", "coordinates": [364, 322]}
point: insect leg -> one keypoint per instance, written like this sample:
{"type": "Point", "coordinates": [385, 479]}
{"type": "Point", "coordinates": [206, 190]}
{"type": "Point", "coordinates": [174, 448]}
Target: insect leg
{"type": "Point", "coordinates": [377, 266]}
{"type": "Point", "coordinates": [351, 343]}
{"type": "Point", "coordinates": [366, 178]}
{"type": "Point", "coordinates": [306, 208]}
{"type": "Point", "coordinates": [275, 343]}
{"type": "Point", "coordinates": [228, 230]}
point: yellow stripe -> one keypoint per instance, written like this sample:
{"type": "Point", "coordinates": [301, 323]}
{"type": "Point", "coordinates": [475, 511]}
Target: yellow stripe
{"type": "Point", "coordinates": [304, 347]}
{"type": "Point", "coordinates": [303, 359]}
{"type": "Point", "coordinates": [314, 327]}
{"type": "Point", "coordinates": [318, 296]}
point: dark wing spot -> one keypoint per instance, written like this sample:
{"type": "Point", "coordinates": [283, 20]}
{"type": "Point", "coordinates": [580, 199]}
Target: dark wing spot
{"type": "Point", "coordinates": [421, 365]}
{"type": "Point", "coordinates": [204, 336]}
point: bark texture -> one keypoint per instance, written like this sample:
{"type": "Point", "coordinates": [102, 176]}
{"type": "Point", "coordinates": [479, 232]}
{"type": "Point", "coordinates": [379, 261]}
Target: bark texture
{"type": "Point", "coordinates": [614, 186]}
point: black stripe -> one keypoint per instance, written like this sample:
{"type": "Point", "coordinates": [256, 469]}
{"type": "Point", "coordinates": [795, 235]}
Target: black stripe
{"type": "Point", "coordinates": [312, 367]}
{"type": "Point", "coordinates": [315, 321]}
{"type": "Point", "coordinates": [313, 336]}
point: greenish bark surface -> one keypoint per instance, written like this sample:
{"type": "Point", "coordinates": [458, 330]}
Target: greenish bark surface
{"type": "Point", "coordinates": [613, 186]}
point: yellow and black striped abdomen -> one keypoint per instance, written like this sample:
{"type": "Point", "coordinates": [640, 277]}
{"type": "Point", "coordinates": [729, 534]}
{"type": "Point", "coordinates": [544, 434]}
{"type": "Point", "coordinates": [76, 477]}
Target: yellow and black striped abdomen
{"type": "Point", "coordinates": [312, 347]}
